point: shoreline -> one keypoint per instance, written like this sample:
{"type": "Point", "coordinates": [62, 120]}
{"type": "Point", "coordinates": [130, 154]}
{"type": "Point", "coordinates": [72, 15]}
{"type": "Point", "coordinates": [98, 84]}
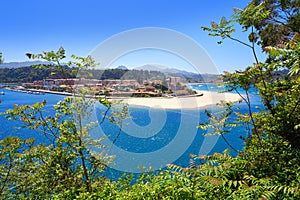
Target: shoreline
{"type": "Point", "coordinates": [183, 103]}
{"type": "Point", "coordinates": [201, 100]}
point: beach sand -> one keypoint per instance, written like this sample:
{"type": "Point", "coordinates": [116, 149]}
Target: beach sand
{"type": "Point", "coordinates": [174, 103]}
{"type": "Point", "coordinates": [171, 103]}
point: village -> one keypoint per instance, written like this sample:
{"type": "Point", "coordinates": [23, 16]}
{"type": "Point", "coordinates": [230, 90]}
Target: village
{"type": "Point", "coordinates": [170, 87]}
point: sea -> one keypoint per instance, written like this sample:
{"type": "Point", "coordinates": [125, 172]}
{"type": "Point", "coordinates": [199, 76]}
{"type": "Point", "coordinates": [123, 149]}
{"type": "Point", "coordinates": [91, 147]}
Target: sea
{"type": "Point", "coordinates": [148, 139]}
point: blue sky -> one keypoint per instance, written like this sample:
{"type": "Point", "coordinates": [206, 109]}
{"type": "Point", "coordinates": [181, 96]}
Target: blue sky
{"type": "Point", "coordinates": [79, 26]}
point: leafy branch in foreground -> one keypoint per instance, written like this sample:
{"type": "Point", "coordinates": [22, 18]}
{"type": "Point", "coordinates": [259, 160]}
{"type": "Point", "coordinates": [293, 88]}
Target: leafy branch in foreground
{"type": "Point", "coordinates": [62, 161]}
{"type": "Point", "coordinates": [267, 167]}
{"type": "Point", "coordinates": [218, 122]}
{"type": "Point", "coordinates": [1, 58]}
{"type": "Point", "coordinates": [272, 148]}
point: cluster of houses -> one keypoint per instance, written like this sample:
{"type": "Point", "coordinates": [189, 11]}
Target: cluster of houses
{"type": "Point", "coordinates": [115, 87]}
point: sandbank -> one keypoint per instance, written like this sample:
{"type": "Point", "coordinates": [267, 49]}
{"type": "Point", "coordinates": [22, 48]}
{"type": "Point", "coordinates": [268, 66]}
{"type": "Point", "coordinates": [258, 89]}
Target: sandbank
{"type": "Point", "coordinates": [208, 98]}
{"type": "Point", "coordinates": [186, 102]}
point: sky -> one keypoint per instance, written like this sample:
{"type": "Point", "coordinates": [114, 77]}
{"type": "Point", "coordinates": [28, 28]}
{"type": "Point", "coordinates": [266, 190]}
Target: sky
{"type": "Point", "coordinates": [81, 26]}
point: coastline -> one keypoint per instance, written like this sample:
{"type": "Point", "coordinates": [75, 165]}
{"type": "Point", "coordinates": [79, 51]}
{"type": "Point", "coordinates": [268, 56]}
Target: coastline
{"type": "Point", "coordinates": [183, 103]}
{"type": "Point", "coordinates": [201, 100]}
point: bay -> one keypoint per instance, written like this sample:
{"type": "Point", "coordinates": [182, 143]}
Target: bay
{"type": "Point", "coordinates": [142, 118]}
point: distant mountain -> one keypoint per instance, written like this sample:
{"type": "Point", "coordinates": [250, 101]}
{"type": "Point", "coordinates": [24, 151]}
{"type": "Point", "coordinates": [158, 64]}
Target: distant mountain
{"type": "Point", "coordinates": [176, 72]}
{"type": "Point", "coordinates": [163, 69]}
{"type": "Point", "coordinates": [152, 67]}
{"type": "Point", "coordinates": [122, 67]}
{"type": "Point", "coordinates": [23, 64]}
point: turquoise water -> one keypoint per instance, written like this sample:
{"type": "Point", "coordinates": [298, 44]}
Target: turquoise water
{"type": "Point", "coordinates": [161, 135]}
{"type": "Point", "coordinates": [207, 87]}
{"type": "Point", "coordinates": [12, 128]}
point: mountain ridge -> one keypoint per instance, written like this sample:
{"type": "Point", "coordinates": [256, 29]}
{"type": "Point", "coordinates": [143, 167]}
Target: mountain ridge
{"type": "Point", "coordinates": [178, 72]}
{"type": "Point", "coordinates": [23, 64]}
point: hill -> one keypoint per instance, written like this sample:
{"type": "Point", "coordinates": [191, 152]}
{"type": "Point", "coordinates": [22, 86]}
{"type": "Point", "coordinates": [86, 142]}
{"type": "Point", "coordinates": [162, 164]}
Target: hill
{"type": "Point", "coordinates": [14, 74]}
{"type": "Point", "coordinates": [189, 76]}
{"type": "Point", "coordinates": [23, 64]}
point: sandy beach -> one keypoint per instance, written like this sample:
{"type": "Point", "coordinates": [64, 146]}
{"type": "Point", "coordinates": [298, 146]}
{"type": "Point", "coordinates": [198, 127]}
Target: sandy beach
{"type": "Point", "coordinates": [196, 102]}
{"type": "Point", "coordinates": [172, 103]}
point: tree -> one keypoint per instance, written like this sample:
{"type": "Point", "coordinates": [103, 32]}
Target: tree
{"type": "Point", "coordinates": [267, 168]}
{"type": "Point", "coordinates": [63, 164]}
{"type": "Point", "coordinates": [281, 23]}
{"type": "Point", "coordinates": [262, 76]}
{"type": "Point", "coordinates": [1, 58]}
{"type": "Point", "coordinates": [272, 148]}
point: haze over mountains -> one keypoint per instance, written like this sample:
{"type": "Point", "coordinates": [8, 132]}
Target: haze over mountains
{"type": "Point", "coordinates": [148, 67]}
{"type": "Point", "coordinates": [177, 72]}
{"type": "Point", "coordinates": [23, 64]}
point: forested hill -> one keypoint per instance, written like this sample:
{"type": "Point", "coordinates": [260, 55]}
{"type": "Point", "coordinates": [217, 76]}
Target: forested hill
{"type": "Point", "coordinates": [32, 73]}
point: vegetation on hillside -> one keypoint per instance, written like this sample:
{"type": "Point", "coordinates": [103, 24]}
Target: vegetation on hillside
{"type": "Point", "coordinates": [1, 58]}
{"type": "Point", "coordinates": [31, 73]}
{"type": "Point", "coordinates": [267, 168]}
{"type": "Point", "coordinates": [34, 73]}
{"type": "Point", "coordinates": [43, 71]}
